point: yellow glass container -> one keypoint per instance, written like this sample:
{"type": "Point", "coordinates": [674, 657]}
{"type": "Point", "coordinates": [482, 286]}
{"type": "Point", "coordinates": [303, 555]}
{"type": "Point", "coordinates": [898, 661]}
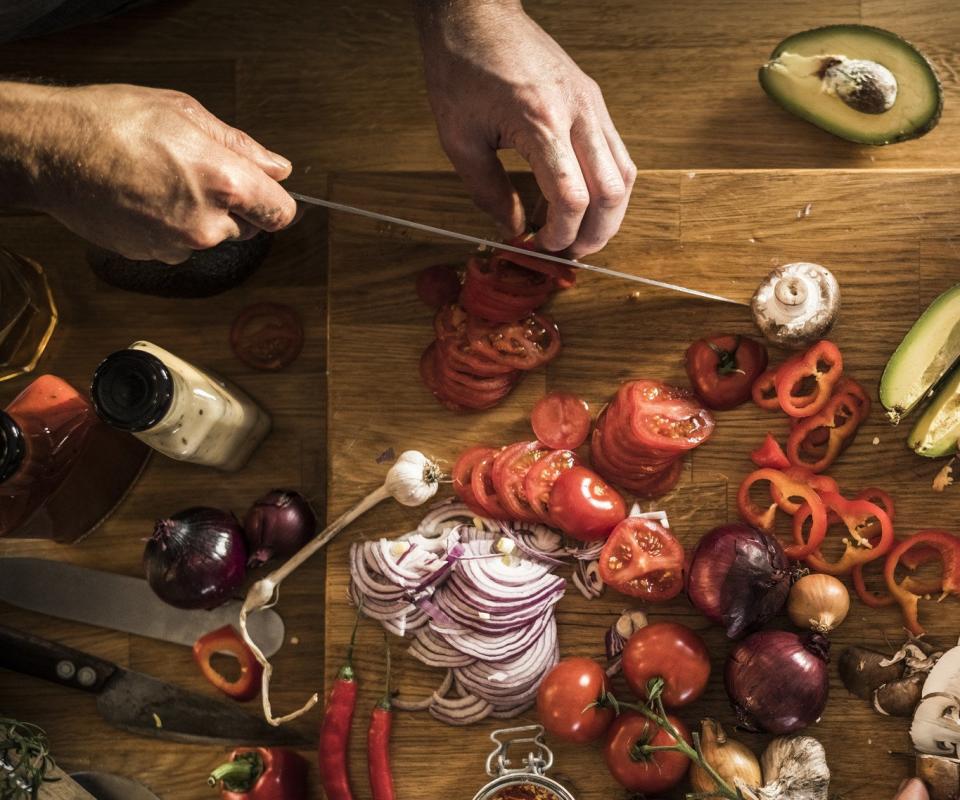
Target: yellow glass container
{"type": "Point", "coordinates": [28, 314]}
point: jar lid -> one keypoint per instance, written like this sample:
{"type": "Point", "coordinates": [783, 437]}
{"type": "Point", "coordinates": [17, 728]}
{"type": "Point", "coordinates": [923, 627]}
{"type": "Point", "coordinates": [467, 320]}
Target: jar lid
{"type": "Point", "coordinates": [12, 446]}
{"type": "Point", "coordinates": [132, 390]}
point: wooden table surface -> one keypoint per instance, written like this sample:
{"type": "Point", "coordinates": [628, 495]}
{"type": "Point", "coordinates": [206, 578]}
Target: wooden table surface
{"type": "Point", "coordinates": [337, 87]}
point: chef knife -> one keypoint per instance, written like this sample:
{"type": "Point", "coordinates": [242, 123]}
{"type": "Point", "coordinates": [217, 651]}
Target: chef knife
{"type": "Point", "coordinates": [466, 237]}
{"type": "Point", "coordinates": [136, 702]}
{"type": "Point", "coordinates": [121, 603]}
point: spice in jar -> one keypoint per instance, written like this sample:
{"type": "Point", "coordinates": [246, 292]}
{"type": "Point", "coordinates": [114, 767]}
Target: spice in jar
{"type": "Point", "coordinates": [524, 791]}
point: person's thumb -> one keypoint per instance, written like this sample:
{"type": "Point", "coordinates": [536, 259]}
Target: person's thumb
{"type": "Point", "coordinates": [913, 789]}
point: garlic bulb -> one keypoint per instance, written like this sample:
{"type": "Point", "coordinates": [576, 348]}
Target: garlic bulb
{"type": "Point", "coordinates": [413, 479]}
{"type": "Point", "coordinates": [732, 760]}
{"type": "Point", "coordinates": [794, 768]}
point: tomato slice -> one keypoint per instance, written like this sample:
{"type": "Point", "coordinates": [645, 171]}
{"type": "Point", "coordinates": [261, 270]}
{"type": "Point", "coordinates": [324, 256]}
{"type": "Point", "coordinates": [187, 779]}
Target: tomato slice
{"type": "Point", "coordinates": [484, 301]}
{"type": "Point", "coordinates": [481, 481]}
{"type": "Point", "coordinates": [454, 392]}
{"type": "Point", "coordinates": [438, 285]}
{"type": "Point", "coordinates": [561, 420]}
{"type": "Point", "coordinates": [540, 478]}
{"type": "Point", "coordinates": [430, 375]}
{"type": "Point", "coordinates": [642, 484]}
{"type": "Point", "coordinates": [526, 344]}
{"type": "Point", "coordinates": [267, 336]}
{"type": "Point", "coordinates": [564, 275]}
{"type": "Point", "coordinates": [509, 469]}
{"type": "Point", "coordinates": [665, 417]}
{"type": "Point", "coordinates": [459, 355]}
{"type": "Point", "coordinates": [463, 475]}
{"type": "Point", "coordinates": [506, 278]}
{"type": "Point", "coordinates": [643, 559]}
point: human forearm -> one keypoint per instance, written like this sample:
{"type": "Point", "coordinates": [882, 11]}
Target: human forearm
{"type": "Point", "coordinates": [26, 124]}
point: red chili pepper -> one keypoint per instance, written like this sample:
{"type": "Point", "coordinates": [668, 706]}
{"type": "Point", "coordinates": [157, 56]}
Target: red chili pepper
{"type": "Point", "coordinates": [770, 454]}
{"type": "Point", "coordinates": [789, 488]}
{"type": "Point", "coordinates": [805, 383]}
{"type": "Point", "coordinates": [911, 559]}
{"type": "Point", "coordinates": [949, 547]}
{"type": "Point", "coordinates": [764, 391]}
{"type": "Point", "coordinates": [378, 745]}
{"type": "Point", "coordinates": [334, 743]}
{"type": "Point", "coordinates": [840, 417]}
{"type": "Point", "coordinates": [262, 773]}
{"type": "Point", "coordinates": [227, 640]}
{"type": "Point", "coordinates": [856, 515]}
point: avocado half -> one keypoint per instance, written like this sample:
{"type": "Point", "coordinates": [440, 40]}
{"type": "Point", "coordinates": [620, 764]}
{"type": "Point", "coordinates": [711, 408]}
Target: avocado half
{"type": "Point", "coordinates": [863, 84]}
{"type": "Point", "coordinates": [930, 348]}
{"type": "Point", "coordinates": [938, 429]}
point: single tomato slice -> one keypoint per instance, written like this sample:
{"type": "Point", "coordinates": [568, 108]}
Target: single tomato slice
{"type": "Point", "coordinates": [481, 481]}
{"type": "Point", "coordinates": [526, 344]}
{"type": "Point", "coordinates": [561, 420]}
{"type": "Point", "coordinates": [505, 278]}
{"type": "Point", "coordinates": [723, 368]}
{"type": "Point", "coordinates": [267, 336]}
{"type": "Point", "coordinates": [463, 476]}
{"type": "Point", "coordinates": [643, 559]}
{"type": "Point", "coordinates": [459, 355]}
{"type": "Point", "coordinates": [438, 285]}
{"type": "Point", "coordinates": [666, 418]}
{"type": "Point", "coordinates": [509, 470]}
{"type": "Point", "coordinates": [670, 651]}
{"type": "Point", "coordinates": [540, 478]}
{"type": "Point", "coordinates": [565, 276]}
{"type": "Point", "coordinates": [430, 375]}
{"type": "Point", "coordinates": [585, 506]}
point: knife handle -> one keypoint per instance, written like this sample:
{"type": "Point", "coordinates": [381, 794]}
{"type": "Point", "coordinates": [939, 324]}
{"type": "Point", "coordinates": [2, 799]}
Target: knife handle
{"type": "Point", "coordinates": [52, 661]}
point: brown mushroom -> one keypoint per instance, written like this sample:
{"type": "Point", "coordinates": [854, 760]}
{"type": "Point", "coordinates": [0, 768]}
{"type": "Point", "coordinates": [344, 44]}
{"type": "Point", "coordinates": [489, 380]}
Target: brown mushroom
{"type": "Point", "coordinates": [862, 673]}
{"type": "Point", "coordinates": [796, 304]}
{"type": "Point", "coordinates": [899, 698]}
{"type": "Point", "coordinates": [941, 775]}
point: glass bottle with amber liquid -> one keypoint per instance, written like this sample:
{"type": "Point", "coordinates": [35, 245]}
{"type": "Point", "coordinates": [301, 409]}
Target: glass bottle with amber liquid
{"type": "Point", "coordinates": [28, 314]}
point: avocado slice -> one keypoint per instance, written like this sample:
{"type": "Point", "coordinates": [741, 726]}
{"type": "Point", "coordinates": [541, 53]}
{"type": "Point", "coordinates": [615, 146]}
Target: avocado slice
{"type": "Point", "coordinates": [924, 356]}
{"type": "Point", "coordinates": [860, 83]}
{"type": "Point", "coordinates": [937, 431]}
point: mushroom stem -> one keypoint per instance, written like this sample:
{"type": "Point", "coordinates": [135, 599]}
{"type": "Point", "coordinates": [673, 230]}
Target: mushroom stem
{"type": "Point", "coordinates": [790, 292]}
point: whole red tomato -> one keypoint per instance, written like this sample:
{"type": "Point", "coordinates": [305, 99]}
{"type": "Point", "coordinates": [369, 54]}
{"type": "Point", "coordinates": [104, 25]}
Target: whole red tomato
{"type": "Point", "coordinates": [722, 369]}
{"type": "Point", "coordinates": [585, 506]}
{"type": "Point", "coordinates": [670, 651]}
{"type": "Point", "coordinates": [565, 698]}
{"type": "Point", "coordinates": [644, 772]}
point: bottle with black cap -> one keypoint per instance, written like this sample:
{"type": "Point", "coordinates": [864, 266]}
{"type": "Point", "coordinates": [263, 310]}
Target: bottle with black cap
{"type": "Point", "coordinates": [62, 470]}
{"type": "Point", "coordinates": [177, 408]}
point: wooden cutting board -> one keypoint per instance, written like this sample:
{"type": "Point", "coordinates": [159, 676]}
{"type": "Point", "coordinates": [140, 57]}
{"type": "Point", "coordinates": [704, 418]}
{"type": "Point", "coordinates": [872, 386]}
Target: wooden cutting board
{"type": "Point", "coordinates": [890, 239]}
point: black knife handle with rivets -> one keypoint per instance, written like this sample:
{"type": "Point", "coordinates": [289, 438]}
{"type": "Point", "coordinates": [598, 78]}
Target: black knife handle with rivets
{"type": "Point", "coordinates": [42, 658]}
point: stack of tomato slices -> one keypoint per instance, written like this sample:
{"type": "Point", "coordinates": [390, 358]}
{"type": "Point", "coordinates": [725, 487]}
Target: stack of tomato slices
{"type": "Point", "coordinates": [641, 435]}
{"type": "Point", "coordinates": [494, 334]}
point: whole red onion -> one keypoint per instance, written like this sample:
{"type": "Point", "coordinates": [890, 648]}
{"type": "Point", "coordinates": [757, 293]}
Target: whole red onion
{"type": "Point", "coordinates": [738, 578]}
{"type": "Point", "coordinates": [778, 680]}
{"type": "Point", "coordinates": [196, 558]}
{"type": "Point", "coordinates": [278, 524]}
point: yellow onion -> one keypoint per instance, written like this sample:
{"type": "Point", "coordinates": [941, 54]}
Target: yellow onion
{"type": "Point", "coordinates": [818, 602]}
{"type": "Point", "coordinates": [732, 760]}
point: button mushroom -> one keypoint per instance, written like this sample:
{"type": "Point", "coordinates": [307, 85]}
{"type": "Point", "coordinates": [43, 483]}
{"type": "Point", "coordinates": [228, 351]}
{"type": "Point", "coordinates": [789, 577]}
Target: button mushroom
{"type": "Point", "coordinates": [796, 304]}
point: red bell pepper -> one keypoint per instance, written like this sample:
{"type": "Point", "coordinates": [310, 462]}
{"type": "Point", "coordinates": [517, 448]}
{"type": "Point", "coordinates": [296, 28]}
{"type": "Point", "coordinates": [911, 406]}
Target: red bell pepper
{"type": "Point", "coordinates": [912, 558]}
{"type": "Point", "coordinates": [788, 488]}
{"type": "Point", "coordinates": [764, 391]}
{"type": "Point", "coordinates": [840, 418]}
{"type": "Point", "coordinates": [770, 454]}
{"type": "Point", "coordinates": [949, 547]}
{"type": "Point", "coordinates": [804, 383]}
{"type": "Point", "coordinates": [856, 515]}
{"type": "Point", "coordinates": [819, 483]}
{"type": "Point", "coordinates": [227, 640]}
{"type": "Point", "coordinates": [262, 773]}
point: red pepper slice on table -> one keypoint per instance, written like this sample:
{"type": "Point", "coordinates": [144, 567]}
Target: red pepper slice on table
{"type": "Point", "coordinates": [227, 640]}
{"type": "Point", "coordinates": [788, 487]}
{"type": "Point", "coordinates": [764, 391]}
{"type": "Point", "coordinates": [261, 773]}
{"type": "Point", "coordinates": [856, 516]}
{"type": "Point", "coordinates": [912, 559]}
{"type": "Point", "coordinates": [722, 369]}
{"type": "Point", "coordinates": [840, 418]}
{"type": "Point", "coordinates": [949, 547]}
{"type": "Point", "coordinates": [805, 383]}
{"type": "Point", "coordinates": [333, 746]}
{"type": "Point", "coordinates": [770, 454]}
{"type": "Point", "coordinates": [819, 483]}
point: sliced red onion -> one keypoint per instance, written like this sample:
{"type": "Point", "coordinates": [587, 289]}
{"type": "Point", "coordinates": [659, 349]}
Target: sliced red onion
{"type": "Point", "coordinates": [433, 650]}
{"type": "Point", "coordinates": [586, 551]}
{"type": "Point", "coordinates": [443, 514]}
{"type": "Point", "coordinates": [460, 710]}
{"type": "Point", "coordinates": [586, 577]}
{"type": "Point", "coordinates": [401, 704]}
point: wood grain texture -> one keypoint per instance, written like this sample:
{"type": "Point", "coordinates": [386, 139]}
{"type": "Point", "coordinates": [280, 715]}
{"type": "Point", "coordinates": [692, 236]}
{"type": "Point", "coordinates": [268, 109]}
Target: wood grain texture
{"type": "Point", "coordinates": [888, 263]}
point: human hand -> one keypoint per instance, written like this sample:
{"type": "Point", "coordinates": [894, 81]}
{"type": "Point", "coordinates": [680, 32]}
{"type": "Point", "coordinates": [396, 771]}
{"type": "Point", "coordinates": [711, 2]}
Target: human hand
{"type": "Point", "coordinates": [149, 173]}
{"type": "Point", "coordinates": [496, 80]}
{"type": "Point", "coordinates": [912, 789]}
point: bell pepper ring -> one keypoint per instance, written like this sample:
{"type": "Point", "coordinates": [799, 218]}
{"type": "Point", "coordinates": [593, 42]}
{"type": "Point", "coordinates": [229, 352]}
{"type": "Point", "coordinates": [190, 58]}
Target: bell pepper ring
{"type": "Point", "coordinates": [840, 417]}
{"type": "Point", "coordinates": [912, 559]}
{"type": "Point", "coordinates": [788, 488]}
{"type": "Point", "coordinates": [819, 483]}
{"type": "Point", "coordinates": [764, 391]}
{"type": "Point", "coordinates": [856, 515]}
{"type": "Point", "coordinates": [949, 547]}
{"type": "Point", "coordinates": [805, 383]}
{"type": "Point", "coordinates": [227, 640]}
{"type": "Point", "coordinates": [770, 454]}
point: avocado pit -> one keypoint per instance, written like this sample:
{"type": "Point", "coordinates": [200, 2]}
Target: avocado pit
{"type": "Point", "coordinates": [865, 86]}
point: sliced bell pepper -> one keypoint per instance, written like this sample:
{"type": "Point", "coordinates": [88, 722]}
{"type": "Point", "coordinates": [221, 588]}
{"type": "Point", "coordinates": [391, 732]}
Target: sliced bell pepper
{"type": "Point", "coordinates": [805, 383]}
{"type": "Point", "coordinates": [788, 487]}
{"type": "Point", "coordinates": [770, 454]}
{"type": "Point", "coordinates": [949, 547]}
{"type": "Point", "coordinates": [764, 391]}
{"type": "Point", "coordinates": [912, 559]}
{"type": "Point", "coordinates": [840, 417]}
{"type": "Point", "coordinates": [819, 483]}
{"type": "Point", "coordinates": [857, 393]}
{"type": "Point", "coordinates": [856, 516]}
{"type": "Point", "coordinates": [227, 640]}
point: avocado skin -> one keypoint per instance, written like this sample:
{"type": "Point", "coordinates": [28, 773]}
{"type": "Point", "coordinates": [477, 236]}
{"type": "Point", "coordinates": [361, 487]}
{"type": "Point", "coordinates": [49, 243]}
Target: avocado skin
{"type": "Point", "coordinates": [204, 274]}
{"type": "Point", "coordinates": [928, 126]}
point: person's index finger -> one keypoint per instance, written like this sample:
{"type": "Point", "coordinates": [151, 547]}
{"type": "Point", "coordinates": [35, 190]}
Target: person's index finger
{"type": "Point", "coordinates": [608, 191]}
{"type": "Point", "coordinates": [561, 182]}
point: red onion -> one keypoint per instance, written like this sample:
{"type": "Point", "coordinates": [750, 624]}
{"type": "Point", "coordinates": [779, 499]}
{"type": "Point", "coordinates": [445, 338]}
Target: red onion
{"type": "Point", "coordinates": [778, 680]}
{"type": "Point", "coordinates": [738, 578]}
{"type": "Point", "coordinates": [197, 558]}
{"type": "Point", "coordinates": [278, 525]}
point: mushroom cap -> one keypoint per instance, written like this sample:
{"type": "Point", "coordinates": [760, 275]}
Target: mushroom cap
{"type": "Point", "coordinates": [936, 727]}
{"type": "Point", "coordinates": [796, 304]}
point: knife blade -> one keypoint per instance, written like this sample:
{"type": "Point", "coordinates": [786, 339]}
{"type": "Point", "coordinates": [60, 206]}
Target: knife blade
{"type": "Point", "coordinates": [136, 702]}
{"type": "Point", "coordinates": [121, 603]}
{"type": "Point", "coordinates": [466, 237]}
